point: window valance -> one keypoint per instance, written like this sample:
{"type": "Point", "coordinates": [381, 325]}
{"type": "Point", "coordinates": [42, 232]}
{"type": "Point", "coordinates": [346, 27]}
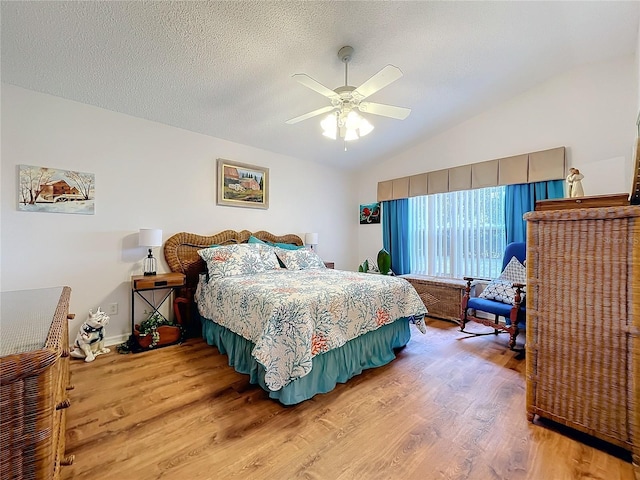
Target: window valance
{"type": "Point", "coordinates": [525, 168]}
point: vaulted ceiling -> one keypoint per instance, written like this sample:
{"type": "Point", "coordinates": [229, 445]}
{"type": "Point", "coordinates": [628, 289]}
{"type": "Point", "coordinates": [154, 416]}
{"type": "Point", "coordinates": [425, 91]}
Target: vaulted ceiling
{"type": "Point", "coordinates": [224, 68]}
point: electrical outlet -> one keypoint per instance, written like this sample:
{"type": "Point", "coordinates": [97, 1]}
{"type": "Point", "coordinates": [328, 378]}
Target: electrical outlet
{"type": "Point", "coordinates": [112, 309]}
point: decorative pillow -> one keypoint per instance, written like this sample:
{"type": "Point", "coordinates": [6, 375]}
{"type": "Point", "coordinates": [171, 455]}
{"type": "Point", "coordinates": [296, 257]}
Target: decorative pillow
{"type": "Point", "coordinates": [300, 259]}
{"type": "Point", "coordinates": [514, 272]}
{"type": "Point", "coordinates": [286, 246]}
{"type": "Point", "coordinates": [501, 289]}
{"type": "Point", "coordinates": [253, 239]}
{"type": "Point", "coordinates": [268, 255]}
{"type": "Point", "coordinates": [241, 259]}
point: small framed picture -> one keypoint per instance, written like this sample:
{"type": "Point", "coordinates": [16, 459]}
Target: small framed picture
{"type": "Point", "coordinates": [370, 213]}
{"type": "Point", "coordinates": [242, 185]}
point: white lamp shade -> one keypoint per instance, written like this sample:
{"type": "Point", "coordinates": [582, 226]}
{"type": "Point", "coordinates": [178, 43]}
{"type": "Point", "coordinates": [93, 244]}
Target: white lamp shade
{"type": "Point", "coordinates": [329, 126]}
{"type": "Point", "coordinates": [365, 127]}
{"type": "Point", "coordinates": [350, 135]}
{"type": "Point", "coordinates": [150, 237]}
{"type": "Point", "coordinates": [353, 120]}
{"type": "Point", "coordinates": [311, 239]}
{"type": "Point", "coordinates": [330, 134]}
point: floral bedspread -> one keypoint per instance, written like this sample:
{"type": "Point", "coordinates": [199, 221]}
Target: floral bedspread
{"type": "Point", "coordinates": [292, 316]}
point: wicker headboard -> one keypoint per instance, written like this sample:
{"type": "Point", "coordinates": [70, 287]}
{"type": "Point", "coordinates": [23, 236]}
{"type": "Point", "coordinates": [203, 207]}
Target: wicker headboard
{"type": "Point", "coordinates": [181, 250]}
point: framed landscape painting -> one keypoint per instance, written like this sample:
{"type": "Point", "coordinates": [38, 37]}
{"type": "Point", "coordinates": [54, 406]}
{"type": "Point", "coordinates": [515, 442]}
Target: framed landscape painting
{"type": "Point", "coordinates": [44, 189]}
{"type": "Point", "coordinates": [242, 185]}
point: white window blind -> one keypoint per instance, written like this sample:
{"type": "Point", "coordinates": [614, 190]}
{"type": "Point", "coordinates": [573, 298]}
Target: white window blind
{"type": "Point", "coordinates": [458, 234]}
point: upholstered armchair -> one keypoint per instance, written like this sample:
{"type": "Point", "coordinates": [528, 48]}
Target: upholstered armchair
{"type": "Point", "coordinates": [503, 297]}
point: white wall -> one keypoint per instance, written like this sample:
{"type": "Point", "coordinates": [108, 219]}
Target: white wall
{"type": "Point", "coordinates": [590, 110]}
{"type": "Point", "coordinates": [148, 175]}
{"type": "Point", "coordinates": [157, 176]}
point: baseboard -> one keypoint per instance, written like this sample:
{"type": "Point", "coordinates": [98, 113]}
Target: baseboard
{"type": "Point", "coordinates": [115, 340]}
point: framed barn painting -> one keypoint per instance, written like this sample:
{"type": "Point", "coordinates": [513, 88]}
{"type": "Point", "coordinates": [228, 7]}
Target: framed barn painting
{"type": "Point", "coordinates": [44, 189]}
{"type": "Point", "coordinates": [242, 185]}
{"type": "Point", "coordinates": [370, 213]}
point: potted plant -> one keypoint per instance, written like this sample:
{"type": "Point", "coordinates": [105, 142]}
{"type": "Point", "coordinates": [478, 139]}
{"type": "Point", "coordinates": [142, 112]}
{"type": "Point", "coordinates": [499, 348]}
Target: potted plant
{"type": "Point", "coordinates": [383, 267]}
{"type": "Point", "coordinates": [157, 331]}
{"type": "Point", "coordinates": [384, 262]}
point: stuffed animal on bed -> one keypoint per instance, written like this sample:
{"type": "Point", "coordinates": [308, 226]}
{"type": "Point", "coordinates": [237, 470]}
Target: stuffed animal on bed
{"type": "Point", "coordinates": [90, 339]}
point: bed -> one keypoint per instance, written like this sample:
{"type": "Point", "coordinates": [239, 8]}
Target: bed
{"type": "Point", "coordinates": [295, 331]}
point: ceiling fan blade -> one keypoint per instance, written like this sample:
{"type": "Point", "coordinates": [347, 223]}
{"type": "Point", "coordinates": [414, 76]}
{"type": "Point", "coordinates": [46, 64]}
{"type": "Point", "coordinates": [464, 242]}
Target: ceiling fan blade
{"type": "Point", "coordinates": [380, 80]}
{"type": "Point", "coordinates": [309, 82]}
{"type": "Point", "coordinates": [319, 111]}
{"type": "Point", "coordinates": [399, 113]}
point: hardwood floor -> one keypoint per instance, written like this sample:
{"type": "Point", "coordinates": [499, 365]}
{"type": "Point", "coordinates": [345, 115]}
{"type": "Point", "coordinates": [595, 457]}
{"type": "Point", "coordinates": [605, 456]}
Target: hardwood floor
{"type": "Point", "coordinates": [449, 407]}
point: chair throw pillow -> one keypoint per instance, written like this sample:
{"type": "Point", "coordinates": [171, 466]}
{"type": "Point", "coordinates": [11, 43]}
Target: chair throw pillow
{"type": "Point", "coordinates": [501, 289]}
{"type": "Point", "coordinates": [514, 272]}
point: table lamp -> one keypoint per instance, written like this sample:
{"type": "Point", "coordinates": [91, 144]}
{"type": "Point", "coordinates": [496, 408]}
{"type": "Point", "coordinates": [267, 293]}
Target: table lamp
{"type": "Point", "coordinates": [150, 237]}
{"type": "Point", "coordinates": [311, 239]}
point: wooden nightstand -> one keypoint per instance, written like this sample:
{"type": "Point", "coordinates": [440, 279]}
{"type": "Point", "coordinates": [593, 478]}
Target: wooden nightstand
{"type": "Point", "coordinates": [153, 282]}
{"type": "Point", "coordinates": [168, 282]}
{"type": "Point", "coordinates": [329, 264]}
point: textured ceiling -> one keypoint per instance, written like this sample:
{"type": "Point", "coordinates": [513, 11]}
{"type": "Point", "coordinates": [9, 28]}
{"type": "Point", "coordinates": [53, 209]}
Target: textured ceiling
{"type": "Point", "coordinates": [224, 68]}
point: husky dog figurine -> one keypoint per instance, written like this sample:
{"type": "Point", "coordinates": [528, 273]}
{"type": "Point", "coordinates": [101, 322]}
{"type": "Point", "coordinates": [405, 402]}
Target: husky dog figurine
{"type": "Point", "coordinates": [90, 339]}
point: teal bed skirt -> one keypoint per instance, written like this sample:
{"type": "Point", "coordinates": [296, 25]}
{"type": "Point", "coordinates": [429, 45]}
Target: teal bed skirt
{"type": "Point", "coordinates": [373, 349]}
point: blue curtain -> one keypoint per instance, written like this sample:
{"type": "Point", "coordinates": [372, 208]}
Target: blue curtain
{"type": "Point", "coordinates": [520, 199]}
{"type": "Point", "coordinates": [395, 234]}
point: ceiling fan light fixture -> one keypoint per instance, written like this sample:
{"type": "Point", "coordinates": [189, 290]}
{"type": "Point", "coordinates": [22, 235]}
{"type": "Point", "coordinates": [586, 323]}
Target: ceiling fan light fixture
{"type": "Point", "coordinates": [345, 122]}
{"type": "Point", "coordinates": [330, 126]}
{"type": "Point", "coordinates": [330, 134]}
{"type": "Point", "coordinates": [365, 127]}
{"type": "Point", "coordinates": [350, 135]}
{"type": "Point", "coordinates": [353, 120]}
{"type": "Point", "coordinates": [356, 126]}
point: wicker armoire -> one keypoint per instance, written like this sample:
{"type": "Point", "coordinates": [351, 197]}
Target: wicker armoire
{"type": "Point", "coordinates": [583, 321]}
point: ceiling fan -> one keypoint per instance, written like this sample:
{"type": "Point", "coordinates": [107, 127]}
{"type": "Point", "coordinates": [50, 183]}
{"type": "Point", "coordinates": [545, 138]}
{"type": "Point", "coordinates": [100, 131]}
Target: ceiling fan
{"type": "Point", "coordinates": [346, 101]}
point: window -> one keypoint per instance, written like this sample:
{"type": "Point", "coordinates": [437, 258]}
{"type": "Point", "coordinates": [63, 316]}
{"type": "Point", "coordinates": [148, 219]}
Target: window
{"type": "Point", "coordinates": [458, 234]}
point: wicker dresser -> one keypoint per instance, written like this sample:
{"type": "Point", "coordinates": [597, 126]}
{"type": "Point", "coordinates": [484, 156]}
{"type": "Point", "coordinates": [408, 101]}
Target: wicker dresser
{"type": "Point", "coordinates": [34, 379]}
{"type": "Point", "coordinates": [583, 321]}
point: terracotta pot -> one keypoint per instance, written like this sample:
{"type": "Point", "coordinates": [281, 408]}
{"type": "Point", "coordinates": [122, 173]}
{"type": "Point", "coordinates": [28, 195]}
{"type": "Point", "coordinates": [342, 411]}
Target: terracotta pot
{"type": "Point", "coordinates": [168, 335]}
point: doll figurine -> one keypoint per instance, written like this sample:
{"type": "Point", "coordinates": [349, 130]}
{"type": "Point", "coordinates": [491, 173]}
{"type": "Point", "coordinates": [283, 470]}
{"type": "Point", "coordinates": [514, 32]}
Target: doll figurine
{"type": "Point", "coordinates": [574, 179]}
